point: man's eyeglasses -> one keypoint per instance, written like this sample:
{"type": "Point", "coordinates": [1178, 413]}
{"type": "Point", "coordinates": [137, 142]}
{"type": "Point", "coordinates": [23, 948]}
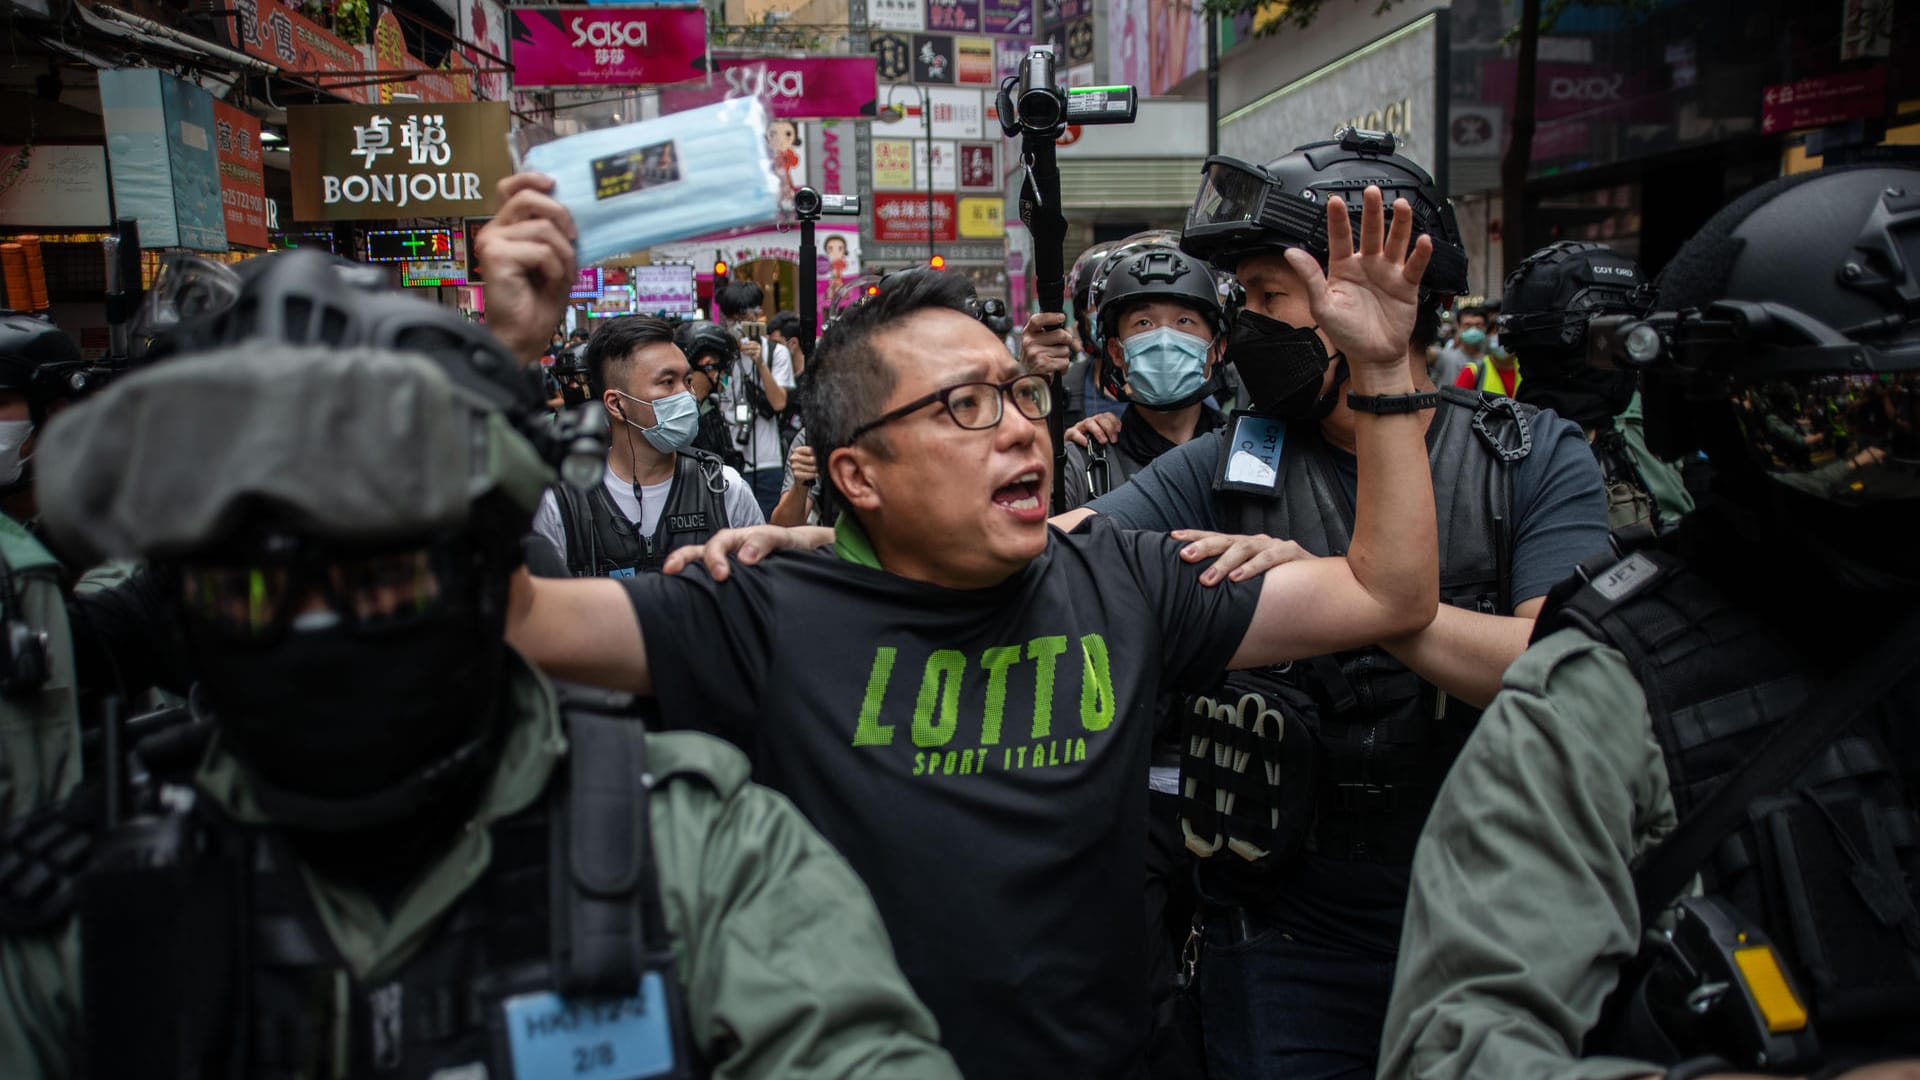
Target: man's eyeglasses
{"type": "Point", "coordinates": [977, 406]}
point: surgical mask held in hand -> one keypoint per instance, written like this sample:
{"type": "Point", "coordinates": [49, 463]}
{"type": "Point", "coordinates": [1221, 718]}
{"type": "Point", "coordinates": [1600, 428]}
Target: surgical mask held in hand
{"type": "Point", "coordinates": [687, 174]}
{"type": "Point", "coordinates": [676, 420]}
{"type": "Point", "coordinates": [1165, 367]}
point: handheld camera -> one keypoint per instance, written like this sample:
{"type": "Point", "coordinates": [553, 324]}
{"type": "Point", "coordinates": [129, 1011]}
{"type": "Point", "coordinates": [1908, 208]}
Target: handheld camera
{"type": "Point", "coordinates": [1033, 101]}
{"type": "Point", "coordinates": [810, 205]}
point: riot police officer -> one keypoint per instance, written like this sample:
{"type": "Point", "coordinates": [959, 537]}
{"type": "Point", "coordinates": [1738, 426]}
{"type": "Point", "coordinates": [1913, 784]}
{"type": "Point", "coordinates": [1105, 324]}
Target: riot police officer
{"type": "Point", "coordinates": [1551, 298]}
{"type": "Point", "coordinates": [711, 353]}
{"type": "Point", "coordinates": [659, 492]}
{"type": "Point", "coordinates": [1736, 704]}
{"type": "Point", "coordinates": [1308, 786]}
{"type": "Point", "coordinates": [374, 843]}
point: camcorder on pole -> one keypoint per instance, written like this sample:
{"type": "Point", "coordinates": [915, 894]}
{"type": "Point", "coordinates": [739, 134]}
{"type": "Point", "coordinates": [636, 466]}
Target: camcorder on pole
{"type": "Point", "coordinates": [809, 205]}
{"type": "Point", "coordinates": [1033, 105]}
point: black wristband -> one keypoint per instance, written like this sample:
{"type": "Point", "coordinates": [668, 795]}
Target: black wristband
{"type": "Point", "coordinates": [1387, 404]}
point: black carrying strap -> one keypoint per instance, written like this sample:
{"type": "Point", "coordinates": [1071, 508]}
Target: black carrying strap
{"type": "Point", "coordinates": [608, 923]}
{"type": "Point", "coordinates": [1831, 710]}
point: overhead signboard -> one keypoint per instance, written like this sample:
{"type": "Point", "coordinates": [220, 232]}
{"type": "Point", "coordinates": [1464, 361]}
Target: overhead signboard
{"type": "Point", "coordinates": [278, 33]}
{"type": "Point", "coordinates": [243, 186]}
{"type": "Point", "coordinates": [903, 218]}
{"type": "Point", "coordinates": [390, 162]}
{"type": "Point", "coordinates": [794, 88]}
{"type": "Point", "coordinates": [55, 187]}
{"type": "Point", "coordinates": [1833, 99]}
{"type": "Point", "coordinates": [160, 147]}
{"type": "Point", "coordinates": [607, 46]}
{"type": "Point", "coordinates": [981, 219]}
{"type": "Point", "coordinates": [665, 288]}
{"type": "Point", "coordinates": [409, 245]}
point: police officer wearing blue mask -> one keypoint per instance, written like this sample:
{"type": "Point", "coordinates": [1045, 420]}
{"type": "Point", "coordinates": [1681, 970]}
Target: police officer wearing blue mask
{"type": "Point", "coordinates": [659, 492]}
{"type": "Point", "coordinates": [1162, 327]}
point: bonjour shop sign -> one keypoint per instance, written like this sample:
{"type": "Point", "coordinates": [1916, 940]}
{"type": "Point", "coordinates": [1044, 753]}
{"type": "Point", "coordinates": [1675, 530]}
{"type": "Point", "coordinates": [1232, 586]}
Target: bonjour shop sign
{"type": "Point", "coordinates": [397, 161]}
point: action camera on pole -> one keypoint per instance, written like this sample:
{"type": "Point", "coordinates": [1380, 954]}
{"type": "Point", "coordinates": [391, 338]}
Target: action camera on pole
{"type": "Point", "coordinates": [1033, 102]}
{"type": "Point", "coordinates": [810, 205]}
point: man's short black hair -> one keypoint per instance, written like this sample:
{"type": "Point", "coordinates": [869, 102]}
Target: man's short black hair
{"type": "Point", "coordinates": [613, 343]}
{"type": "Point", "coordinates": [786, 324]}
{"type": "Point", "coordinates": [848, 381]}
{"type": "Point", "coordinates": [741, 296]}
{"type": "Point", "coordinates": [577, 335]}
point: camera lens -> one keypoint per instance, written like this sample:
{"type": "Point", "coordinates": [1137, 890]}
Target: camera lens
{"type": "Point", "coordinates": [1039, 110]}
{"type": "Point", "coordinates": [806, 202]}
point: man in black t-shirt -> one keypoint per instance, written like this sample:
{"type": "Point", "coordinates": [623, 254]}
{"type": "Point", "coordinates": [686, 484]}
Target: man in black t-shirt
{"type": "Point", "coordinates": [967, 715]}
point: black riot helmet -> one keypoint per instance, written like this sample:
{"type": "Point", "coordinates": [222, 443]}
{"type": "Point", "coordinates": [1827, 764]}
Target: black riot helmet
{"type": "Point", "coordinates": [703, 338]}
{"type": "Point", "coordinates": [1080, 276]}
{"type": "Point", "coordinates": [1787, 346]}
{"type": "Point", "coordinates": [1117, 253]}
{"type": "Point", "coordinates": [1244, 209]}
{"type": "Point", "coordinates": [39, 360]}
{"type": "Point", "coordinates": [1157, 272]}
{"type": "Point", "coordinates": [1553, 294]}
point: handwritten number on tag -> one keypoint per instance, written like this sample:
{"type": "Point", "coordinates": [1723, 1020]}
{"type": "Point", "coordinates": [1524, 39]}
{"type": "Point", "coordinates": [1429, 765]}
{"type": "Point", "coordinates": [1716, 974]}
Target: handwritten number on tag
{"type": "Point", "coordinates": [590, 1059]}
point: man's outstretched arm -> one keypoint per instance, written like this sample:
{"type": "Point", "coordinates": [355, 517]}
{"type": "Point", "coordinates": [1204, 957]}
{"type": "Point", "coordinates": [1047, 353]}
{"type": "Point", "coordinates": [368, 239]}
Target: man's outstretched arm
{"type": "Point", "coordinates": [1388, 585]}
{"type": "Point", "coordinates": [579, 629]}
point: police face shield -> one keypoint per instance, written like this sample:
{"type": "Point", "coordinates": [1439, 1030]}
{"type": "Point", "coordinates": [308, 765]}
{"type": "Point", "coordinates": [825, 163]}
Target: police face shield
{"type": "Point", "coordinates": [1848, 439]}
{"type": "Point", "coordinates": [257, 592]}
{"type": "Point", "coordinates": [1227, 214]}
{"type": "Point", "coordinates": [186, 288]}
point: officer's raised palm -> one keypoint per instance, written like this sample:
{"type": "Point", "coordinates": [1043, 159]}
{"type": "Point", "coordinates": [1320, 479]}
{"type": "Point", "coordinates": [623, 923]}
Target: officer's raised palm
{"type": "Point", "coordinates": [1366, 300]}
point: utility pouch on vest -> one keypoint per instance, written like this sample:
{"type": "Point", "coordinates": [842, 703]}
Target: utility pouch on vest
{"type": "Point", "coordinates": [1248, 768]}
{"type": "Point", "coordinates": [1251, 465]}
{"type": "Point", "coordinates": [158, 960]}
{"type": "Point", "coordinates": [618, 1010]}
{"type": "Point", "coordinates": [1716, 985]}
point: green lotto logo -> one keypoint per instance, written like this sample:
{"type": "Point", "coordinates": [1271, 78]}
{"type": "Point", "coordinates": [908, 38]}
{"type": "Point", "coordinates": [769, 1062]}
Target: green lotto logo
{"type": "Point", "coordinates": [1005, 740]}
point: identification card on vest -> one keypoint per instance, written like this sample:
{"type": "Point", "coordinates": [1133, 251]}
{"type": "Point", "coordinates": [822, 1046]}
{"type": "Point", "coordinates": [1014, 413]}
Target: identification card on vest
{"type": "Point", "coordinates": [549, 1038]}
{"type": "Point", "coordinates": [1252, 462]}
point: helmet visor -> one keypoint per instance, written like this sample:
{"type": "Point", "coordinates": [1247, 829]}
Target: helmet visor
{"type": "Point", "coordinates": [1847, 438]}
{"type": "Point", "coordinates": [187, 287]}
{"type": "Point", "coordinates": [1231, 192]}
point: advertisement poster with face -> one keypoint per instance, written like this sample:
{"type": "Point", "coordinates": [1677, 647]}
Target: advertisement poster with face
{"type": "Point", "coordinates": [788, 148]}
{"type": "Point", "coordinates": [839, 259]}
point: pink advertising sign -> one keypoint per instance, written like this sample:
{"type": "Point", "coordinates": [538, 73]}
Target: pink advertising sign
{"type": "Point", "coordinates": [802, 88]}
{"type": "Point", "coordinates": [600, 46]}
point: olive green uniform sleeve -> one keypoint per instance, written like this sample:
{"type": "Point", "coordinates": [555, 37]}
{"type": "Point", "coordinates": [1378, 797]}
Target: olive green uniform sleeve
{"type": "Point", "coordinates": [39, 1004]}
{"type": "Point", "coordinates": [1664, 482]}
{"type": "Point", "coordinates": [788, 968]}
{"type": "Point", "coordinates": [1522, 911]}
{"type": "Point", "coordinates": [40, 731]}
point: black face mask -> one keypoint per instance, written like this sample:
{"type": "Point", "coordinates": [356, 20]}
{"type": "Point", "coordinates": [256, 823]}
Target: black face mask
{"type": "Point", "coordinates": [1585, 395]}
{"type": "Point", "coordinates": [330, 716]}
{"type": "Point", "coordinates": [1281, 366]}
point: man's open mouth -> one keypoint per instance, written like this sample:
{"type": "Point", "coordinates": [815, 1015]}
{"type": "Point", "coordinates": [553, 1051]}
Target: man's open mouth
{"type": "Point", "coordinates": [1023, 494]}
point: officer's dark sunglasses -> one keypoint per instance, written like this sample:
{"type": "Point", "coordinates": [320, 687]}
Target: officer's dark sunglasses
{"type": "Point", "coordinates": [977, 406]}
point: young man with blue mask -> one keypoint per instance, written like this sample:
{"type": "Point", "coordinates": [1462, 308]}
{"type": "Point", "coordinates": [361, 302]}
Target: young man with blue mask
{"type": "Point", "coordinates": [1162, 327]}
{"type": "Point", "coordinates": [659, 492]}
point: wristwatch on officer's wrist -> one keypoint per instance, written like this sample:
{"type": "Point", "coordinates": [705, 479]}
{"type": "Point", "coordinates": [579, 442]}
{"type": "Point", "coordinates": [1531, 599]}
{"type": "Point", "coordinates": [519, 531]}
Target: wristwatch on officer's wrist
{"type": "Point", "coordinates": [1389, 404]}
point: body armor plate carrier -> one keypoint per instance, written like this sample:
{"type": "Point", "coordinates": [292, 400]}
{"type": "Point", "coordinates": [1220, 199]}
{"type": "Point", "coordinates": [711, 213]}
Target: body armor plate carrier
{"type": "Point", "coordinates": [1372, 741]}
{"type": "Point", "coordinates": [602, 542]}
{"type": "Point", "coordinates": [1825, 870]}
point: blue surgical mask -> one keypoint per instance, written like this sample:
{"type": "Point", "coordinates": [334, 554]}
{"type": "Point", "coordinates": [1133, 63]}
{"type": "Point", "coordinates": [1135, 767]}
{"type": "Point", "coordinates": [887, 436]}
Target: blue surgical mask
{"type": "Point", "coordinates": [1473, 335]}
{"type": "Point", "coordinates": [676, 420]}
{"type": "Point", "coordinates": [685, 174]}
{"type": "Point", "coordinates": [1165, 367]}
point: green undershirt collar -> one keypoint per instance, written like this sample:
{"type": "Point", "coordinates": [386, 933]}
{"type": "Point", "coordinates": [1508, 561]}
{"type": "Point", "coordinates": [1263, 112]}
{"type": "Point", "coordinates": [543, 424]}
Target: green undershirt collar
{"type": "Point", "coordinates": [851, 544]}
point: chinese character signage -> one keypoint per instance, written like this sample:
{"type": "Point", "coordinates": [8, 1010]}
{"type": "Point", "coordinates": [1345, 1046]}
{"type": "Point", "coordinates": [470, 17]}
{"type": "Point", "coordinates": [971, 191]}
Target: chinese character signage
{"type": "Point", "coordinates": [389, 162]}
{"type": "Point", "coordinates": [277, 33]}
{"type": "Point", "coordinates": [932, 58]}
{"type": "Point", "coordinates": [980, 219]}
{"type": "Point", "coordinates": [973, 61]}
{"type": "Point", "coordinates": [892, 164]}
{"type": "Point", "coordinates": [897, 14]}
{"type": "Point", "coordinates": [958, 114]}
{"type": "Point", "coordinates": [903, 218]}
{"type": "Point", "coordinates": [935, 166]}
{"type": "Point", "coordinates": [389, 53]}
{"type": "Point", "coordinates": [794, 88]}
{"type": "Point", "coordinates": [1832, 99]}
{"type": "Point", "coordinates": [243, 187]}
{"type": "Point", "coordinates": [162, 155]}
{"type": "Point", "coordinates": [980, 166]}
{"type": "Point", "coordinates": [893, 57]}
{"type": "Point", "coordinates": [954, 15]}
{"type": "Point", "coordinates": [607, 46]}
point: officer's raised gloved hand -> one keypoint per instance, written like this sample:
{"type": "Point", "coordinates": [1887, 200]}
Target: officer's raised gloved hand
{"type": "Point", "coordinates": [749, 545]}
{"type": "Point", "coordinates": [527, 251]}
{"type": "Point", "coordinates": [1103, 428]}
{"type": "Point", "coordinates": [1046, 347]}
{"type": "Point", "coordinates": [1238, 557]}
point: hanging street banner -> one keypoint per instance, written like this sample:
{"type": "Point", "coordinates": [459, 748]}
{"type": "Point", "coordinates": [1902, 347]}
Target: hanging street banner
{"type": "Point", "coordinates": [243, 186]}
{"type": "Point", "coordinates": [391, 162]}
{"type": "Point", "coordinates": [802, 88]}
{"type": "Point", "coordinates": [389, 53]}
{"type": "Point", "coordinates": [160, 152]}
{"type": "Point", "coordinates": [606, 46]}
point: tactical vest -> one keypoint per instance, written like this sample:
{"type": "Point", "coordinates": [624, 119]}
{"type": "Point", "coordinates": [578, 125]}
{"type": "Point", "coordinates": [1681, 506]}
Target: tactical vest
{"type": "Point", "coordinates": [1827, 871]}
{"type": "Point", "coordinates": [1102, 468]}
{"type": "Point", "coordinates": [601, 542]}
{"type": "Point", "coordinates": [1387, 737]}
{"type": "Point", "coordinates": [204, 954]}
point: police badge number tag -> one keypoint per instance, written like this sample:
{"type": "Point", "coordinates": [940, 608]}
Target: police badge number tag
{"type": "Point", "coordinates": [1252, 462]}
{"type": "Point", "coordinates": [549, 1038]}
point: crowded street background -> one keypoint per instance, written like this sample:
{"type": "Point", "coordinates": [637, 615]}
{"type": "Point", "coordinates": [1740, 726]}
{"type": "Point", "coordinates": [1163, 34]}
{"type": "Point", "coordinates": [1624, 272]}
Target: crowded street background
{"type": "Point", "coordinates": [1299, 539]}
